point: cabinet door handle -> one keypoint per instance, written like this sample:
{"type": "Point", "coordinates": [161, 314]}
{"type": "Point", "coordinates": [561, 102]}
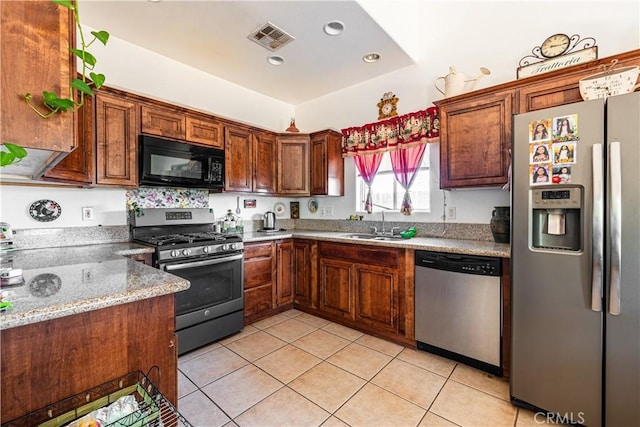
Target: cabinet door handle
{"type": "Point", "coordinates": [171, 344]}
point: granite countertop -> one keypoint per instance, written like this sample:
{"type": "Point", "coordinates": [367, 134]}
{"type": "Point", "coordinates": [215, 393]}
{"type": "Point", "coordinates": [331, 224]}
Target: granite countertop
{"type": "Point", "coordinates": [457, 246]}
{"type": "Point", "coordinates": [69, 280]}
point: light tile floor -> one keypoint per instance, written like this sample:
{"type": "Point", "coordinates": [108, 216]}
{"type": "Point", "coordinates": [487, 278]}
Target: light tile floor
{"type": "Point", "coordinates": [294, 369]}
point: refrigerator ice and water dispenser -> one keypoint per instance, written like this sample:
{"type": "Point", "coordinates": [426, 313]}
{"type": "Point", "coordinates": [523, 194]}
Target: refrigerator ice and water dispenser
{"type": "Point", "coordinates": [556, 218]}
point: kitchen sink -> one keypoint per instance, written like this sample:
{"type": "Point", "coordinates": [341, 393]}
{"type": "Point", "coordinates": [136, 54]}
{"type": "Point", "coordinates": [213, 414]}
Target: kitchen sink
{"type": "Point", "coordinates": [365, 236]}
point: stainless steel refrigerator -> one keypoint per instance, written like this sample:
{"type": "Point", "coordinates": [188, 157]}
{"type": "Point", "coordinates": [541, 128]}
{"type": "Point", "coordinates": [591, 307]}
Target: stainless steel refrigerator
{"type": "Point", "coordinates": [575, 256]}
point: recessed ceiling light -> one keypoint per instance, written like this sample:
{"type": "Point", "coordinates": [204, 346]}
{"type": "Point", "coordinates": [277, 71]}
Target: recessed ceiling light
{"type": "Point", "coordinates": [333, 28]}
{"type": "Point", "coordinates": [371, 57]}
{"type": "Point", "coordinates": [275, 60]}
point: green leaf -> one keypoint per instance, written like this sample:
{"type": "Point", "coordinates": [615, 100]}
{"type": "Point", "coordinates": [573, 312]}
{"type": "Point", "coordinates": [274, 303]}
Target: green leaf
{"type": "Point", "coordinates": [98, 79]}
{"type": "Point", "coordinates": [49, 97]}
{"type": "Point", "coordinates": [16, 150]}
{"type": "Point", "coordinates": [84, 56]}
{"type": "Point", "coordinates": [81, 86]}
{"type": "Point", "coordinates": [6, 158]}
{"type": "Point", "coordinates": [66, 3]}
{"type": "Point", "coordinates": [62, 104]}
{"type": "Point", "coordinates": [103, 36]}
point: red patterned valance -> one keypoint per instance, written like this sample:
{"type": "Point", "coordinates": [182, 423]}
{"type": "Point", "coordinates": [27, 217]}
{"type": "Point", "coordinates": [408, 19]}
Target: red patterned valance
{"type": "Point", "coordinates": [386, 135]}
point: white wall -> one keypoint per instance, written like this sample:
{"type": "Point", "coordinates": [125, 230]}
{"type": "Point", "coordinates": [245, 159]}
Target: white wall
{"type": "Point", "coordinates": [108, 206]}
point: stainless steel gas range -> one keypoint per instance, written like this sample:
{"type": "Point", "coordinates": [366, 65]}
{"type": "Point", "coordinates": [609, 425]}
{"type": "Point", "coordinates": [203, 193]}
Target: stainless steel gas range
{"type": "Point", "coordinates": [187, 246]}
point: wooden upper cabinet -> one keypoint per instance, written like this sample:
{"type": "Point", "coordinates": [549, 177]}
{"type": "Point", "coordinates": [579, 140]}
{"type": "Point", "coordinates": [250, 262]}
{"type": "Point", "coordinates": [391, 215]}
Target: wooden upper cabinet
{"type": "Point", "coordinates": [326, 172]}
{"type": "Point", "coordinates": [475, 139]}
{"type": "Point", "coordinates": [203, 131]}
{"type": "Point", "coordinates": [116, 140]}
{"type": "Point", "coordinates": [293, 165]}
{"type": "Point", "coordinates": [177, 123]}
{"type": "Point", "coordinates": [35, 37]}
{"type": "Point", "coordinates": [78, 167]}
{"type": "Point", "coordinates": [238, 154]}
{"type": "Point", "coordinates": [264, 162]}
{"type": "Point", "coordinates": [163, 122]}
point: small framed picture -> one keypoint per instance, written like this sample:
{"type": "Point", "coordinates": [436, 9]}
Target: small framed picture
{"type": "Point", "coordinates": [295, 210]}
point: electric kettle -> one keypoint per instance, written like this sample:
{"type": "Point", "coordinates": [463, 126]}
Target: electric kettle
{"type": "Point", "coordinates": [269, 221]}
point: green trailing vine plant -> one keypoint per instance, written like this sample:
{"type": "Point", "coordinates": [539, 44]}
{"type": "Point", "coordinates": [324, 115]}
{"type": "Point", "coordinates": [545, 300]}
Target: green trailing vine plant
{"type": "Point", "coordinates": [52, 103]}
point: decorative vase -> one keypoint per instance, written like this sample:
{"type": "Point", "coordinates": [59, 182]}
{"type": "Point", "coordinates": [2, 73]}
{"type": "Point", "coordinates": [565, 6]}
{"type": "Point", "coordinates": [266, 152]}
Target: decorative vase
{"type": "Point", "coordinates": [500, 223]}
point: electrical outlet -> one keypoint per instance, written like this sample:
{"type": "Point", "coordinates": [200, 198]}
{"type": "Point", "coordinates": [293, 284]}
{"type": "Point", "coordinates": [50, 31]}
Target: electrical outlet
{"type": "Point", "coordinates": [328, 211]}
{"type": "Point", "coordinates": [87, 214]}
{"type": "Point", "coordinates": [322, 212]}
{"type": "Point", "coordinates": [451, 212]}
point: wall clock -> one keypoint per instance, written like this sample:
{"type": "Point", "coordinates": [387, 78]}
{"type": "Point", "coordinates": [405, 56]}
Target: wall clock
{"type": "Point", "coordinates": [556, 52]}
{"type": "Point", "coordinates": [387, 107]}
{"type": "Point", "coordinates": [45, 210]}
{"type": "Point", "coordinates": [555, 45]}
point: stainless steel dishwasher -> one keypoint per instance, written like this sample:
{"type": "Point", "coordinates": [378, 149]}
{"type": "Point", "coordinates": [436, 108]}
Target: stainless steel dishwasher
{"type": "Point", "coordinates": [458, 303]}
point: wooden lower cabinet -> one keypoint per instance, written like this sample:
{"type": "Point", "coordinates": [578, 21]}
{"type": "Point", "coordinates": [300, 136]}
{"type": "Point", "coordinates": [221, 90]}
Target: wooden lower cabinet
{"type": "Point", "coordinates": [285, 277]}
{"type": "Point", "coordinates": [377, 302]}
{"type": "Point", "coordinates": [305, 273]}
{"type": "Point", "coordinates": [48, 361]}
{"type": "Point", "coordinates": [369, 288]}
{"type": "Point", "coordinates": [269, 280]}
{"type": "Point", "coordinates": [259, 280]}
{"type": "Point", "coordinates": [336, 287]}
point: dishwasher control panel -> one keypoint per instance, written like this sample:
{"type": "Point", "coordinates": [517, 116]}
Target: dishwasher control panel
{"type": "Point", "coordinates": [468, 264]}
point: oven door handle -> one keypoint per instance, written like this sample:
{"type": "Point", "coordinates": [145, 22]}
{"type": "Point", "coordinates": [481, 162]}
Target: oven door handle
{"type": "Point", "coordinates": [203, 263]}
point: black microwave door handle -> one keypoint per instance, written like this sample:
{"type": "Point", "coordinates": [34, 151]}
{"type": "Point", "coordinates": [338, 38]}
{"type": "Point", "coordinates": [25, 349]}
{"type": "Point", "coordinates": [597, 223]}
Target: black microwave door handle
{"type": "Point", "coordinates": [209, 171]}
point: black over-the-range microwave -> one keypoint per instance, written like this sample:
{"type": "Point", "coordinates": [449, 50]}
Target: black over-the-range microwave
{"type": "Point", "coordinates": [167, 163]}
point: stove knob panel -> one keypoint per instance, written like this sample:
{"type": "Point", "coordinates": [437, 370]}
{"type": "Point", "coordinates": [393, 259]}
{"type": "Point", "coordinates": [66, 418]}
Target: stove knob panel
{"type": "Point", "coordinates": [186, 252]}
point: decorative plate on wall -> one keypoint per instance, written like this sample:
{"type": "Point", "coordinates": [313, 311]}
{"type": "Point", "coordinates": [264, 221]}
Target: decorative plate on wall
{"type": "Point", "coordinates": [313, 206]}
{"type": "Point", "coordinates": [45, 210]}
{"type": "Point", "coordinates": [279, 208]}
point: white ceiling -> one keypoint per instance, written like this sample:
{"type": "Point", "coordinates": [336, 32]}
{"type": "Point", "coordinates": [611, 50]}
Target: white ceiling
{"type": "Point", "coordinates": [213, 36]}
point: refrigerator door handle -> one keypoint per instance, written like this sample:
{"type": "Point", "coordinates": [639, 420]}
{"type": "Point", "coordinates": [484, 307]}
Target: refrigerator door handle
{"type": "Point", "coordinates": [615, 191]}
{"type": "Point", "coordinates": [597, 242]}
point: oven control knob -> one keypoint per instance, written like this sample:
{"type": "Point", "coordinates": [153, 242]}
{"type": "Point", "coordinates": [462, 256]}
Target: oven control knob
{"type": "Point", "coordinates": [174, 253]}
{"type": "Point", "coordinates": [225, 247]}
{"type": "Point", "coordinates": [232, 246]}
{"type": "Point", "coordinates": [206, 249]}
{"type": "Point", "coordinates": [186, 252]}
{"type": "Point", "coordinates": [207, 312]}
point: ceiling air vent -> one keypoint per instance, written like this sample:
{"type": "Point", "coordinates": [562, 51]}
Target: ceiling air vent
{"type": "Point", "coordinates": [271, 37]}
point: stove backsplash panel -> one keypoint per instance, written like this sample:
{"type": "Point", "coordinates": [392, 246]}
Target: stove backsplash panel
{"type": "Point", "coordinates": [159, 197]}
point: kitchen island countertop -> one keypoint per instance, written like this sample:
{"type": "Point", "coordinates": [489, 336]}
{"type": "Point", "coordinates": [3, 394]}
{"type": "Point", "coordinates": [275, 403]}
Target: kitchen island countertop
{"type": "Point", "coordinates": [437, 244]}
{"type": "Point", "coordinates": [69, 280]}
